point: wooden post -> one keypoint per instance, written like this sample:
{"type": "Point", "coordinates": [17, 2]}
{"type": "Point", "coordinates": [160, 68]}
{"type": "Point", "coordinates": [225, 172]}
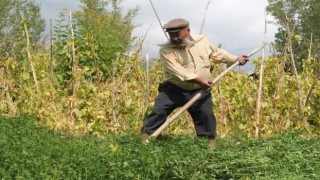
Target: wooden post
{"type": "Point", "coordinates": [147, 80]}
{"type": "Point", "coordinates": [295, 72]}
{"type": "Point", "coordinates": [258, 105]}
{"type": "Point", "coordinates": [204, 17]}
{"type": "Point", "coordinates": [74, 62]}
{"type": "Point", "coordinates": [219, 87]}
{"type": "Point", "coordinates": [154, 9]}
{"type": "Point", "coordinates": [314, 83]}
{"type": "Point", "coordinates": [34, 74]}
{"type": "Point", "coordinates": [114, 100]}
{"type": "Point", "coordinates": [51, 52]}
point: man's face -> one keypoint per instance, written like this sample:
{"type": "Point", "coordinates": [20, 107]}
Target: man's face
{"type": "Point", "coordinates": [178, 37]}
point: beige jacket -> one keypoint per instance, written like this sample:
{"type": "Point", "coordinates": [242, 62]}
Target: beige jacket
{"type": "Point", "coordinates": [182, 63]}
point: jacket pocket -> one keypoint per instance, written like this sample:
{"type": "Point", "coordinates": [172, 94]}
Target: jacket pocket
{"type": "Point", "coordinates": [205, 61]}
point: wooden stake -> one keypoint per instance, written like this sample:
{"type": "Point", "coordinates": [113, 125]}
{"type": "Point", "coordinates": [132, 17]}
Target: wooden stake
{"type": "Point", "coordinates": [74, 62]}
{"type": "Point", "coordinates": [258, 107]}
{"type": "Point", "coordinates": [34, 74]}
{"type": "Point", "coordinates": [314, 82]}
{"type": "Point", "coordinates": [295, 72]}
{"type": "Point", "coordinates": [147, 80]}
{"type": "Point", "coordinates": [204, 17]}
{"type": "Point", "coordinates": [114, 100]}
{"type": "Point", "coordinates": [154, 9]}
{"type": "Point", "coordinates": [51, 53]}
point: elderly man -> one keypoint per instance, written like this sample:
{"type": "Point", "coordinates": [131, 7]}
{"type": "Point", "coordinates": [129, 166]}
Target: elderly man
{"type": "Point", "coordinates": [186, 60]}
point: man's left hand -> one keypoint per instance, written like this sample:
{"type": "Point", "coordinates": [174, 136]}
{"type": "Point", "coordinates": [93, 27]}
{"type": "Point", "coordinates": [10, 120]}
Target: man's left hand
{"type": "Point", "coordinates": [243, 59]}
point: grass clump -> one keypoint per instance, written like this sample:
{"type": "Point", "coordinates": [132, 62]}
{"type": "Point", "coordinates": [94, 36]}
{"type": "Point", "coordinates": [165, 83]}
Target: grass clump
{"type": "Point", "coordinates": [29, 151]}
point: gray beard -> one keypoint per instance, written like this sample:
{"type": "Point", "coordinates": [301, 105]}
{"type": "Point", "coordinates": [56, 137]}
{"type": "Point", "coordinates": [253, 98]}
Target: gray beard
{"type": "Point", "coordinates": [187, 42]}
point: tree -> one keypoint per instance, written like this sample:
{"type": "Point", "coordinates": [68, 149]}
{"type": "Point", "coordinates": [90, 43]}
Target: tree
{"type": "Point", "coordinates": [302, 16]}
{"type": "Point", "coordinates": [102, 32]}
{"type": "Point", "coordinates": [13, 15]}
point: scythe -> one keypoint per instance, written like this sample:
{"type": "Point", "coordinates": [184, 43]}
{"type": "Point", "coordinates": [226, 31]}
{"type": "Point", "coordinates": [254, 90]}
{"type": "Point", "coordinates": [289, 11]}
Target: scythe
{"type": "Point", "coordinates": [199, 94]}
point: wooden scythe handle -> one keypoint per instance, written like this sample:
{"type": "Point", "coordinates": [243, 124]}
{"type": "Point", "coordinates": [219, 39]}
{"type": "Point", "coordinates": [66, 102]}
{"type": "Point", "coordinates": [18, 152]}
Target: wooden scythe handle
{"type": "Point", "coordinates": [199, 95]}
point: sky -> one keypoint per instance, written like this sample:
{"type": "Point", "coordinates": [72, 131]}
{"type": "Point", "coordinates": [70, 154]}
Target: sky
{"type": "Point", "coordinates": [238, 25]}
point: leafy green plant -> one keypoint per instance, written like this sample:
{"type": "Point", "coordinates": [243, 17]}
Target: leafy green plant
{"type": "Point", "coordinates": [31, 151]}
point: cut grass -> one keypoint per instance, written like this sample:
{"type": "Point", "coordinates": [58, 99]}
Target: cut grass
{"type": "Point", "coordinates": [29, 151]}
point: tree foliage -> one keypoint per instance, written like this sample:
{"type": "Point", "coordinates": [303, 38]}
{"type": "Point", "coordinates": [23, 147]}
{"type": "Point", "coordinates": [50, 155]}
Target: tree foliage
{"type": "Point", "coordinates": [302, 17]}
{"type": "Point", "coordinates": [14, 14]}
{"type": "Point", "coordinates": [102, 33]}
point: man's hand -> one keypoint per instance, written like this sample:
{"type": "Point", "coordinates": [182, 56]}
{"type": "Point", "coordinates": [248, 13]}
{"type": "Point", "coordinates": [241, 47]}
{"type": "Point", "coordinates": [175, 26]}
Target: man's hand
{"type": "Point", "coordinates": [243, 59]}
{"type": "Point", "coordinates": [203, 82]}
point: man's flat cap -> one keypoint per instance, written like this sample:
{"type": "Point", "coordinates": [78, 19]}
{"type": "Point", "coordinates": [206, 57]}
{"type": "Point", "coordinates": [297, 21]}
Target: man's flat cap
{"type": "Point", "coordinates": [175, 25]}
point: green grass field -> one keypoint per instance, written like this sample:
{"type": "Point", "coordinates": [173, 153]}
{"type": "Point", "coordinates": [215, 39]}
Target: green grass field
{"type": "Point", "coordinates": [29, 151]}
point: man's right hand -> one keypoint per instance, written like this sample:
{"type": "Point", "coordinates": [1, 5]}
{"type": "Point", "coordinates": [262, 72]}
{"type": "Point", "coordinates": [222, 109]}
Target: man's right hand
{"type": "Point", "coordinates": [203, 82]}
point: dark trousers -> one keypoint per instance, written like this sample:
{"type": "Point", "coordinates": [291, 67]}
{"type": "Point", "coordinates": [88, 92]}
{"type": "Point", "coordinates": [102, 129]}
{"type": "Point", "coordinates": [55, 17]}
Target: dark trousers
{"type": "Point", "coordinates": [171, 97]}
